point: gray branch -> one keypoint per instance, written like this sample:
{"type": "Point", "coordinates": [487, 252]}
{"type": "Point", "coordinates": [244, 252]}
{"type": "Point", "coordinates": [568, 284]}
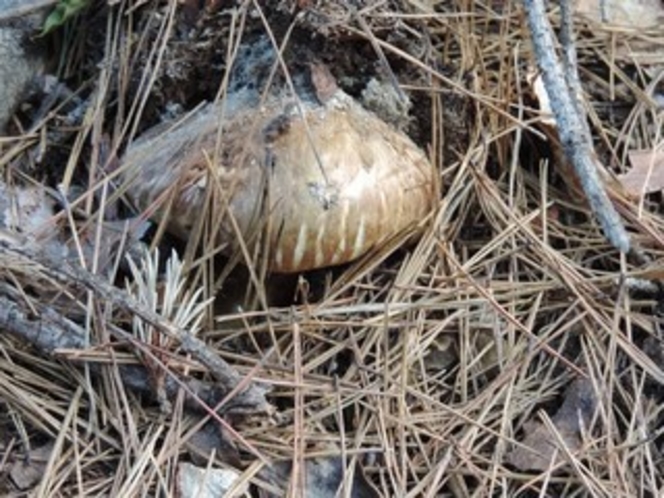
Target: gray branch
{"type": "Point", "coordinates": [572, 127]}
{"type": "Point", "coordinates": [49, 330]}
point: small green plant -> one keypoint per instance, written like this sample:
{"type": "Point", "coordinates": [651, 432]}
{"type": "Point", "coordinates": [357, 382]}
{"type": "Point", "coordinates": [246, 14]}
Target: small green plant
{"type": "Point", "coordinates": [63, 11]}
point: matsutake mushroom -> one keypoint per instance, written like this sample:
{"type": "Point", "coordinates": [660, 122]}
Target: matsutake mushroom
{"type": "Point", "coordinates": [320, 177]}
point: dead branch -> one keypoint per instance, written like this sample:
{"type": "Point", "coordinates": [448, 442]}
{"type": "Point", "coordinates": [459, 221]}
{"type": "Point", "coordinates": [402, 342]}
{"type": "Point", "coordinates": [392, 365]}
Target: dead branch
{"type": "Point", "coordinates": [573, 131]}
{"type": "Point", "coordinates": [50, 331]}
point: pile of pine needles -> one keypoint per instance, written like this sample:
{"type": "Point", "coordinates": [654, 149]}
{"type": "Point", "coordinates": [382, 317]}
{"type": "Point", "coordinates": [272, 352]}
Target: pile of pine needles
{"type": "Point", "coordinates": [511, 350]}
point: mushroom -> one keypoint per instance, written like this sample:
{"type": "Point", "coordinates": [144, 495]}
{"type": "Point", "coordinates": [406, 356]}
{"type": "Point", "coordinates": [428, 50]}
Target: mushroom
{"type": "Point", "coordinates": [323, 179]}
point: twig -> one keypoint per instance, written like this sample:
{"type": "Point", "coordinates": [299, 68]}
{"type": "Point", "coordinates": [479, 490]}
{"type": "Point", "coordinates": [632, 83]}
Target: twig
{"type": "Point", "coordinates": [52, 333]}
{"type": "Point", "coordinates": [573, 131]}
{"type": "Point", "coordinates": [570, 62]}
{"type": "Point", "coordinates": [64, 333]}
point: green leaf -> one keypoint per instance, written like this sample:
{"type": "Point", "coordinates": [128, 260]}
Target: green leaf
{"type": "Point", "coordinates": [65, 10]}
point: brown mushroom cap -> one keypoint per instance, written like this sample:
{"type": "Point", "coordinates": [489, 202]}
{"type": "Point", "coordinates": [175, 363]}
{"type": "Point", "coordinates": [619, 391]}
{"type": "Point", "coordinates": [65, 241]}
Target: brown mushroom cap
{"type": "Point", "coordinates": [328, 182]}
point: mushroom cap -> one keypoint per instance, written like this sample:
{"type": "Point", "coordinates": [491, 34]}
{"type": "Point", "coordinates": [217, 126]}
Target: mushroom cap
{"type": "Point", "coordinates": [322, 183]}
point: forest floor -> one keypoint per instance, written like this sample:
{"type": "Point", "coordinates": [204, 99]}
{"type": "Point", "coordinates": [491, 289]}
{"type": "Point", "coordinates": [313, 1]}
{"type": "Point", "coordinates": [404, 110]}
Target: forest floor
{"type": "Point", "coordinates": [509, 350]}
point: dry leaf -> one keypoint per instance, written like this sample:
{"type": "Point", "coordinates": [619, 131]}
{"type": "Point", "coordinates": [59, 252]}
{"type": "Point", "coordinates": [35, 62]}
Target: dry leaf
{"type": "Point", "coordinates": [323, 478]}
{"type": "Point", "coordinates": [440, 355]}
{"type": "Point", "coordinates": [26, 211]}
{"type": "Point", "coordinates": [202, 482]}
{"type": "Point", "coordinates": [628, 13]}
{"type": "Point", "coordinates": [27, 214]}
{"type": "Point", "coordinates": [27, 472]}
{"type": "Point", "coordinates": [647, 173]}
{"type": "Point", "coordinates": [539, 449]}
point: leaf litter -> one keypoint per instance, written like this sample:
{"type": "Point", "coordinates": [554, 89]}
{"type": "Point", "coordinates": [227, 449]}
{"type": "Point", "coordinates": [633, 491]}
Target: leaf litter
{"type": "Point", "coordinates": [509, 350]}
